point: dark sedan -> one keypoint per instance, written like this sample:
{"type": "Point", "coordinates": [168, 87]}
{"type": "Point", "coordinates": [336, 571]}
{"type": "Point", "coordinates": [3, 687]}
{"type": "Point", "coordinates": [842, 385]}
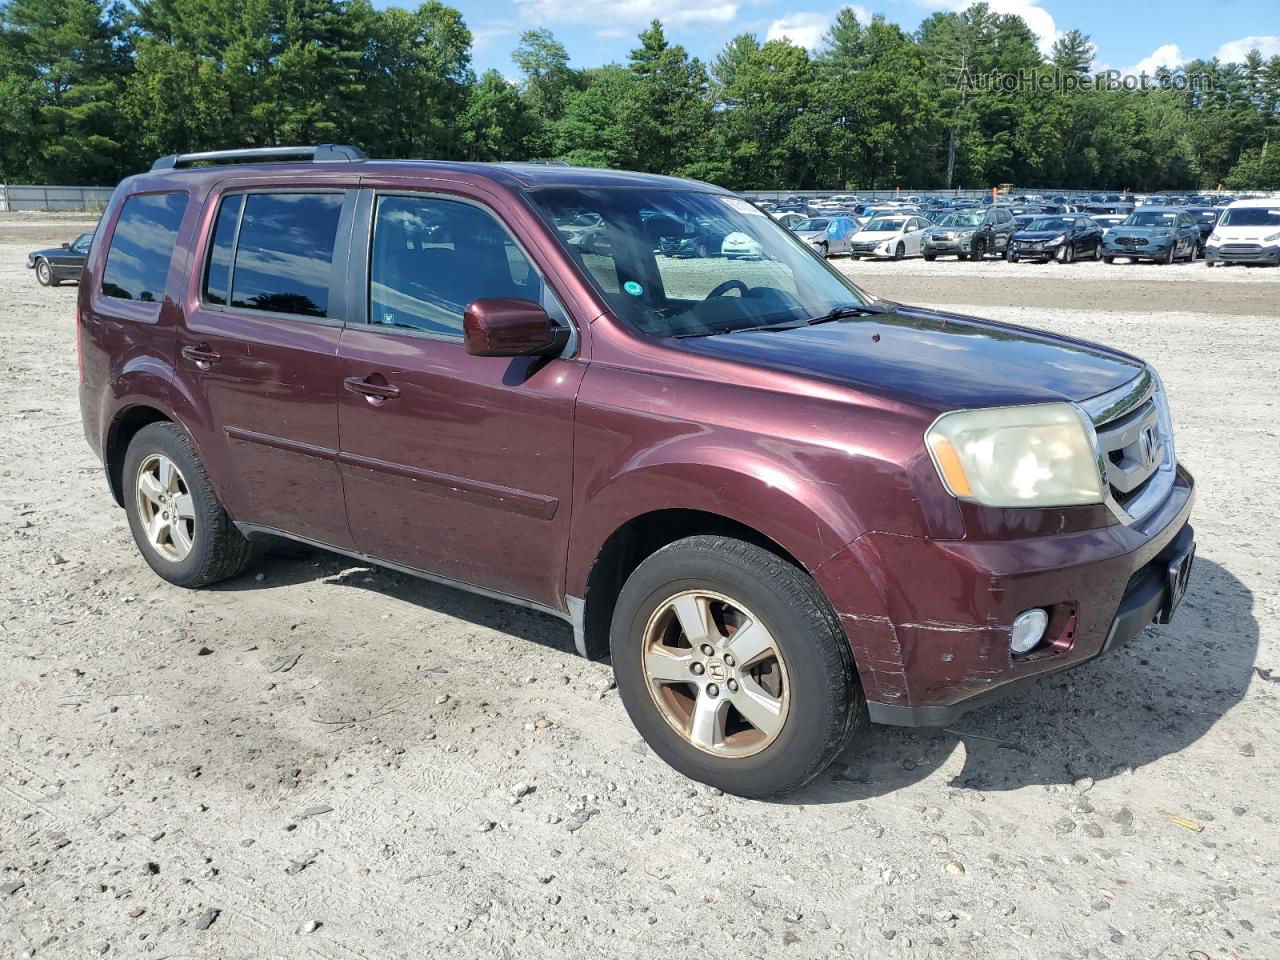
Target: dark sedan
{"type": "Point", "coordinates": [1062, 238]}
{"type": "Point", "coordinates": [56, 264]}
{"type": "Point", "coordinates": [1206, 219]}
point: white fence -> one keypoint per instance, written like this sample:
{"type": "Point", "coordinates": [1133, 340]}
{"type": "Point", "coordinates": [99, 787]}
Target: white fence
{"type": "Point", "coordinates": [23, 197]}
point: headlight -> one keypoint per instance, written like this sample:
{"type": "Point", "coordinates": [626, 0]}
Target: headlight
{"type": "Point", "coordinates": [1043, 455]}
{"type": "Point", "coordinates": [1057, 240]}
{"type": "Point", "coordinates": [1271, 239]}
{"type": "Point", "coordinates": [1214, 238]}
{"type": "Point", "coordinates": [965, 235]}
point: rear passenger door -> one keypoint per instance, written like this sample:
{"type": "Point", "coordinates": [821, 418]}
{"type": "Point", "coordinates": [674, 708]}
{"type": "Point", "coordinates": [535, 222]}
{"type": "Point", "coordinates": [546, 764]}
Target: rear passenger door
{"type": "Point", "coordinates": [258, 357]}
{"type": "Point", "coordinates": [463, 468]}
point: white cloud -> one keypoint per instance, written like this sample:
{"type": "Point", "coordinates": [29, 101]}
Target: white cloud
{"type": "Point", "coordinates": [1236, 50]}
{"type": "Point", "coordinates": [1166, 55]}
{"type": "Point", "coordinates": [802, 29]}
{"type": "Point", "coordinates": [616, 16]}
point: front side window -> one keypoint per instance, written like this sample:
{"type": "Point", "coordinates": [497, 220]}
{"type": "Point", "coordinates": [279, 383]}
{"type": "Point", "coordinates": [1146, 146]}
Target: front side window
{"type": "Point", "coordinates": [142, 246]}
{"type": "Point", "coordinates": [82, 243]}
{"type": "Point", "coordinates": [761, 275]}
{"type": "Point", "coordinates": [431, 257]}
{"type": "Point", "coordinates": [284, 255]}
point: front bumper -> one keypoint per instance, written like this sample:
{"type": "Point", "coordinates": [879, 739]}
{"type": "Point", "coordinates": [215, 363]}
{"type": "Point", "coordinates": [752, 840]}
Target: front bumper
{"type": "Point", "coordinates": [1151, 250]}
{"type": "Point", "coordinates": [1243, 253]}
{"type": "Point", "coordinates": [928, 621]}
{"type": "Point", "coordinates": [947, 246]}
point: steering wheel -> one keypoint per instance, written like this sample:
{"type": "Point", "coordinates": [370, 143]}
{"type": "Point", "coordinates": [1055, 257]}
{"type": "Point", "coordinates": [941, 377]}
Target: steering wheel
{"type": "Point", "coordinates": [728, 285]}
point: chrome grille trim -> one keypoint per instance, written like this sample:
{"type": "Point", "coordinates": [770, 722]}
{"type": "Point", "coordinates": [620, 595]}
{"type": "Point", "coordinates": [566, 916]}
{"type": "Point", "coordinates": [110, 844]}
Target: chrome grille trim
{"type": "Point", "coordinates": [1131, 424]}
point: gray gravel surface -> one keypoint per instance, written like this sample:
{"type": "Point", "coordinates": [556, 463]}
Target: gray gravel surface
{"type": "Point", "coordinates": [434, 774]}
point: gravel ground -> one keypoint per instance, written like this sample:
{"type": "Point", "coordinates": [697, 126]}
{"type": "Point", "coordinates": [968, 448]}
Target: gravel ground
{"type": "Point", "coordinates": [326, 760]}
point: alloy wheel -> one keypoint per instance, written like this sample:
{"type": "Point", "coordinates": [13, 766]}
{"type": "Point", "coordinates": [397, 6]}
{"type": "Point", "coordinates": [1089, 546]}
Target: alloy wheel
{"type": "Point", "coordinates": [716, 673]}
{"type": "Point", "coordinates": [166, 508]}
{"type": "Point", "coordinates": [43, 273]}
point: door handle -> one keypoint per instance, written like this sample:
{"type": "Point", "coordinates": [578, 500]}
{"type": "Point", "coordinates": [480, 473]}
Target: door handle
{"type": "Point", "coordinates": [375, 393]}
{"type": "Point", "coordinates": [202, 355]}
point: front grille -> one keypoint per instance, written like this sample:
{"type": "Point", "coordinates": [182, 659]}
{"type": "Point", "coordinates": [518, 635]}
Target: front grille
{"type": "Point", "coordinates": [1131, 241]}
{"type": "Point", "coordinates": [1136, 446]}
{"type": "Point", "coordinates": [1241, 250]}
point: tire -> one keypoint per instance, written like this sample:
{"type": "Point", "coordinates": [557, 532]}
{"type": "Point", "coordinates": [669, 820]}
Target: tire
{"type": "Point", "coordinates": [1097, 253]}
{"type": "Point", "coordinates": [44, 274]}
{"type": "Point", "coordinates": [899, 251]}
{"type": "Point", "coordinates": [823, 250]}
{"type": "Point", "coordinates": [1010, 256]}
{"type": "Point", "coordinates": [928, 257]}
{"type": "Point", "coordinates": [701, 251]}
{"type": "Point", "coordinates": [1108, 260]}
{"type": "Point", "coordinates": [821, 701]}
{"type": "Point", "coordinates": [979, 250]}
{"type": "Point", "coordinates": [1171, 255]}
{"type": "Point", "coordinates": [1067, 254]}
{"type": "Point", "coordinates": [216, 550]}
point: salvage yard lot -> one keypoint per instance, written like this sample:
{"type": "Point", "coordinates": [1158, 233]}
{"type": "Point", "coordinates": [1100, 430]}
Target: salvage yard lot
{"type": "Point", "coordinates": [324, 759]}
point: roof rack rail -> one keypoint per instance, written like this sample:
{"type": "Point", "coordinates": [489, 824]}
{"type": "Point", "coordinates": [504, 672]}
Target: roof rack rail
{"type": "Point", "coordinates": [322, 153]}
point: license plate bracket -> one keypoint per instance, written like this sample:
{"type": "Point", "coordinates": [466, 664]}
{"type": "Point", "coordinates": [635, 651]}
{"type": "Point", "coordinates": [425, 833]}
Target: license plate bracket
{"type": "Point", "coordinates": [1178, 575]}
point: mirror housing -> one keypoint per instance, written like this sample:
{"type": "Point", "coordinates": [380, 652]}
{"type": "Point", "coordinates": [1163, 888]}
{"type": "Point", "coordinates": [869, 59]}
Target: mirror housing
{"type": "Point", "coordinates": [66, 245]}
{"type": "Point", "coordinates": [510, 327]}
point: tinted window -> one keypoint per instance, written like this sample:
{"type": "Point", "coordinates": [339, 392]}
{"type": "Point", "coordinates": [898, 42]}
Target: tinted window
{"type": "Point", "coordinates": [218, 275]}
{"type": "Point", "coordinates": [432, 257]}
{"type": "Point", "coordinates": [142, 246]}
{"type": "Point", "coordinates": [285, 252]}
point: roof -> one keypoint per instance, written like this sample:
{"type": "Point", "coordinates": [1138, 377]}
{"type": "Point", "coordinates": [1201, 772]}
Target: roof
{"type": "Point", "coordinates": [1255, 202]}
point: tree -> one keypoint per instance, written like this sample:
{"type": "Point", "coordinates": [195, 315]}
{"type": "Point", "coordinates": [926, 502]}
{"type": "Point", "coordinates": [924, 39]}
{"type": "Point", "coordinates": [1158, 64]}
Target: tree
{"type": "Point", "coordinates": [62, 67]}
{"type": "Point", "coordinates": [546, 79]}
{"type": "Point", "coordinates": [669, 109]}
{"type": "Point", "coordinates": [1073, 52]}
{"type": "Point", "coordinates": [496, 124]}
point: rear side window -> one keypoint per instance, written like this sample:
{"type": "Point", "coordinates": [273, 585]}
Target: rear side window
{"type": "Point", "coordinates": [283, 255]}
{"type": "Point", "coordinates": [142, 246]}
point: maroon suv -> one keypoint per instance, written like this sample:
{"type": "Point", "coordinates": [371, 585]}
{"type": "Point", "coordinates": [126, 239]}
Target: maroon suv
{"type": "Point", "coordinates": [781, 505]}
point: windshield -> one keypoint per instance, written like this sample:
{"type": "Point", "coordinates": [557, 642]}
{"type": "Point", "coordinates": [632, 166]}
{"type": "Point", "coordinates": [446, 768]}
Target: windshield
{"type": "Point", "coordinates": [1051, 223]}
{"type": "Point", "coordinates": [813, 225]}
{"type": "Point", "coordinates": [82, 242]}
{"type": "Point", "coordinates": [1151, 218]}
{"type": "Point", "coordinates": [1251, 217]}
{"type": "Point", "coordinates": [664, 295]}
{"type": "Point", "coordinates": [884, 226]}
{"type": "Point", "coordinates": [962, 219]}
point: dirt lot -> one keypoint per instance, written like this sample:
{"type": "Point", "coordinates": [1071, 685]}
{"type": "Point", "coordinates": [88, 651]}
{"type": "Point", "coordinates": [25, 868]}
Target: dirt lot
{"type": "Point", "coordinates": [330, 761]}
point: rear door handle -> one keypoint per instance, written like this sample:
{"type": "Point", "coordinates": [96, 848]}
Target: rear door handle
{"type": "Point", "coordinates": [375, 392]}
{"type": "Point", "coordinates": [202, 355]}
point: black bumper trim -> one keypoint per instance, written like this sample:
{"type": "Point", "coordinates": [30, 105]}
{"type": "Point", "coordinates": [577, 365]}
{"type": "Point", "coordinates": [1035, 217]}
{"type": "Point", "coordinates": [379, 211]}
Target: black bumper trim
{"type": "Point", "coordinates": [1145, 600]}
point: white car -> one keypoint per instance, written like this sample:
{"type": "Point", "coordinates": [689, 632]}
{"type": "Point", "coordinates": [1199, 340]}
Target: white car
{"type": "Point", "coordinates": [739, 246]}
{"type": "Point", "coordinates": [889, 236]}
{"type": "Point", "coordinates": [1247, 232]}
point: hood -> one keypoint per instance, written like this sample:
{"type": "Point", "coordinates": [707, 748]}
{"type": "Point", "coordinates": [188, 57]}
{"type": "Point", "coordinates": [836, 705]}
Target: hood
{"type": "Point", "coordinates": [1040, 235]}
{"type": "Point", "coordinates": [1230, 234]}
{"type": "Point", "coordinates": [876, 234]}
{"type": "Point", "coordinates": [940, 361]}
{"type": "Point", "coordinates": [1123, 231]}
{"type": "Point", "coordinates": [53, 252]}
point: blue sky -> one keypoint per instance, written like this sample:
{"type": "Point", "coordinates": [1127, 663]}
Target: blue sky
{"type": "Point", "coordinates": [1127, 34]}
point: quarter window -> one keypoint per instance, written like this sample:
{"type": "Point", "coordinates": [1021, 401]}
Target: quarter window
{"type": "Point", "coordinates": [430, 258]}
{"type": "Point", "coordinates": [142, 246]}
{"type": "Point", "coordinates": [284, 255]}
{"type": "Point", "coordinates": [218, 276]}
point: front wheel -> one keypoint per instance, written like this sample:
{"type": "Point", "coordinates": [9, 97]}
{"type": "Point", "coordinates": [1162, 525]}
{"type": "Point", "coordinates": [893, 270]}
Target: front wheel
{"type": "Point", "coordinates": [44, 274]}
{"type": "Point", "coordinates": [822, 250]}
{"type": "Point", "coordinates": [733, 667]}
{"type": "Point", "coordinates": [899, 251]}
{"type": "Point", "coordinates": [1107, 259]}
{"type": "Point", "coordinates": [181, 529]}
{"type": "Point", "coordinates": [928, 257]}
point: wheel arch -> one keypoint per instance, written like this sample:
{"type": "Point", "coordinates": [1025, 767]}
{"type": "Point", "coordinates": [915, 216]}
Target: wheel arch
{"type": "Point", "coordinates": [637, 539]}
{"type": "Point", "coordinates": [126, 424]}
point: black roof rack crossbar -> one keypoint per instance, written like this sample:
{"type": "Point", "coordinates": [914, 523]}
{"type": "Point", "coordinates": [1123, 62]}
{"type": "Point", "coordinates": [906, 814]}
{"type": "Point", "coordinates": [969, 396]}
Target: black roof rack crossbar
{"type": "Point", "coordinates": [323, 153]}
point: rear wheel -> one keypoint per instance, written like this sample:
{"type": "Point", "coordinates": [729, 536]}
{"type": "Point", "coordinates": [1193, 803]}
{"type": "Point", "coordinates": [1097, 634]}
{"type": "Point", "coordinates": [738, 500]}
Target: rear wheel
{"type": "Point", "coordinates": [44, 274]}
{"type": "Point", "coordinates": [181, 529]}
{"type": "Point", "coordinates": [733, 667]}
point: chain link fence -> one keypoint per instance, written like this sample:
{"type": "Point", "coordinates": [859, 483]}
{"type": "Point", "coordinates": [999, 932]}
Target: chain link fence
{"type": "Point", "coordinates": [35, 199]}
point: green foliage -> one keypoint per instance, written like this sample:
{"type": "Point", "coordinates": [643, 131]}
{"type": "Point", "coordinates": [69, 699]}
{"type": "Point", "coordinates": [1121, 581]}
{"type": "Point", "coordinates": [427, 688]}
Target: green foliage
{"type": "Point", "coordinates": [91, 90]}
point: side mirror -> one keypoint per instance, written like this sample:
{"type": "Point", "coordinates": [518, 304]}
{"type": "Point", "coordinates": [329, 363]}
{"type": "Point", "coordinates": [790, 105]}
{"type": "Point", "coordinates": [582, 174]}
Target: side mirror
{"type": "Point", "coordinates": [66, 246]}
{"type": "Point", "coordinates": [510, 327]}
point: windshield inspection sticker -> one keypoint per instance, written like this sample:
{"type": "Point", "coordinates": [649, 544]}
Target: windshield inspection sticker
{"type": "Point", "coordinates": [633, 288]}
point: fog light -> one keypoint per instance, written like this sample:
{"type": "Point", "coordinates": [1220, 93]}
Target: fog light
{"type": "Point", "coordinates": [1028, 630]}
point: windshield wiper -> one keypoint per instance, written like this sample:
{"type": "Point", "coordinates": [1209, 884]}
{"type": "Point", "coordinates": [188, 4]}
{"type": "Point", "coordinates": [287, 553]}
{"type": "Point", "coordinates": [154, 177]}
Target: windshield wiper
{"type": "Point", "coordinates": [837, 313]}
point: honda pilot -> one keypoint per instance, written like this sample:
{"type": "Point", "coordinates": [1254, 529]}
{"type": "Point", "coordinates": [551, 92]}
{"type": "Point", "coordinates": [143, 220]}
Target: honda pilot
{"type": "Point", "coordinates": [783, 507]}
